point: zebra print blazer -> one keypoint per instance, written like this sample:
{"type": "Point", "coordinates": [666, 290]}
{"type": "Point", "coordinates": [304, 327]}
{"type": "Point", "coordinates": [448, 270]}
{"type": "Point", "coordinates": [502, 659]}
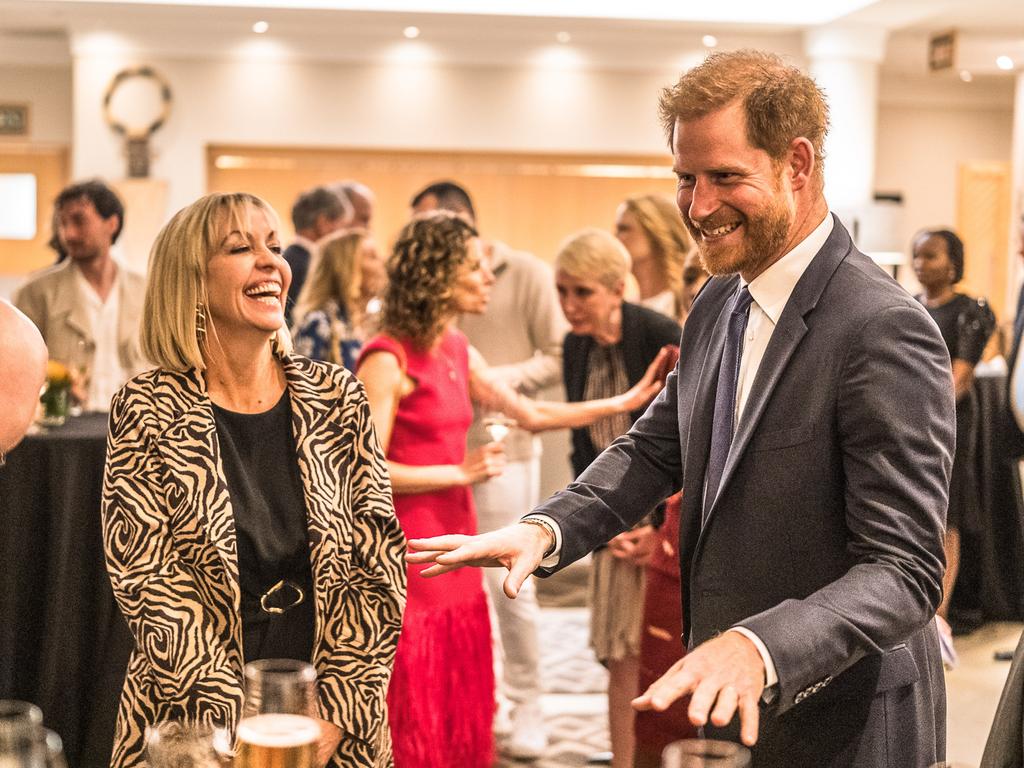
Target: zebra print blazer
{"type": "Point", "coordinates": [169, 537]}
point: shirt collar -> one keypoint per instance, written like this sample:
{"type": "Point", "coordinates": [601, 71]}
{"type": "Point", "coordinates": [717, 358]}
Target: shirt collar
{"type": "Point", "coordinates": [773, 287]}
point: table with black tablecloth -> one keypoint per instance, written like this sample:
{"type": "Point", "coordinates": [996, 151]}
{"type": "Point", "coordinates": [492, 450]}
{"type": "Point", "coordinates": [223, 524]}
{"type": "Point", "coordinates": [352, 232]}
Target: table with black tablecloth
{"type": "Point", "coordinates": [63, 642]}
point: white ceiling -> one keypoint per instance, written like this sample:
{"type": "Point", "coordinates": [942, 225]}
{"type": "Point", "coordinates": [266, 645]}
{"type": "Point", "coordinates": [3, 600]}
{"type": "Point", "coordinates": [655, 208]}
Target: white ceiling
{"type": "Point", "coordinates": [647, 34]}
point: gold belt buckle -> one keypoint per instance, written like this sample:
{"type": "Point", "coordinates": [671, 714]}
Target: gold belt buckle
{"type": "Point", "coordinates": [281, 585]}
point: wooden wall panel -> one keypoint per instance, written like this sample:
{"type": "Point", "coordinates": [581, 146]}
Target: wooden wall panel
{"type": "Point", "coordinates": [530, 201]}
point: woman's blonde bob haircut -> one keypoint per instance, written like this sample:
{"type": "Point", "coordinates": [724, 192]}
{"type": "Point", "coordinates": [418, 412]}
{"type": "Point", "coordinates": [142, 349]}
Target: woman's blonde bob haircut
{"type": "Point", "coordinates": [176, 326]}
{"type": "Point", "coordinates": [593, 254]}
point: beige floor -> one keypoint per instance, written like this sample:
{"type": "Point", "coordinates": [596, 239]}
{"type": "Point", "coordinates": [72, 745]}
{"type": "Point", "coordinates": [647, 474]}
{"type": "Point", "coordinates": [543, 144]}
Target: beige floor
{"type": "Point", "coordinates": [972, 691]}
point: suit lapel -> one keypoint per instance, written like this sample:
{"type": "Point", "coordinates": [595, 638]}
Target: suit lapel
{"type": "Point", "coordinates": [67, 304]}
{"type": "Point", "coordinates": [785, 339]}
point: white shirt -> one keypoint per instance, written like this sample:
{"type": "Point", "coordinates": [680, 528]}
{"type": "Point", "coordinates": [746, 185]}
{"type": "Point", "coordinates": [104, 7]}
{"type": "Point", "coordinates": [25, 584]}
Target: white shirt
{"type": "Point", "coordinates": [105, 372]}
{"type": "Point", "coordinates": [770, 292]}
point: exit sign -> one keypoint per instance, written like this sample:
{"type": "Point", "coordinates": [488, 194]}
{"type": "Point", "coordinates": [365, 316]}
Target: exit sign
{"type": "Point", "coordinates": [13, 119]}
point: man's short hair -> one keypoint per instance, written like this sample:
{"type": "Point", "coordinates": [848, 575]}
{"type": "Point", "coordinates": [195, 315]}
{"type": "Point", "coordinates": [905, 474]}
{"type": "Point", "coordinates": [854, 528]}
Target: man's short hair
{"type": "Point", "coordinates": [316, 202]}
{"type": "Point", "coordinates": [450, 197]}
{"type": "Point", "coordinates": [781, 101]}
{"type": "Point", "coordinates": [103, 198]}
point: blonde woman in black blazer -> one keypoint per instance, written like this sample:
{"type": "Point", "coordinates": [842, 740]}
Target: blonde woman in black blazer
{"type": "Point", "coordinates": [188, 499]}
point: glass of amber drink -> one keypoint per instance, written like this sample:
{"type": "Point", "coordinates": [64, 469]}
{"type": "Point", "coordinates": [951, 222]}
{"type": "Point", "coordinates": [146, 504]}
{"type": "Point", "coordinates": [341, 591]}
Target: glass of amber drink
{"type": "Point", "coordinates": [278, 729]}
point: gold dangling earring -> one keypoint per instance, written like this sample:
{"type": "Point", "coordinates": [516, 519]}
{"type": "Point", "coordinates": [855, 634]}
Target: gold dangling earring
{"type": "Point", "coordinates": [201, 321]}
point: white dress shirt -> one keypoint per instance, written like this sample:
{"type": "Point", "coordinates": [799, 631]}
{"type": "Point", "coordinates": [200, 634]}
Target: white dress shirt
{"type": "Point", "coordinates": [106, 374]}
{"type": "Point", "coordinates": [770, 292]}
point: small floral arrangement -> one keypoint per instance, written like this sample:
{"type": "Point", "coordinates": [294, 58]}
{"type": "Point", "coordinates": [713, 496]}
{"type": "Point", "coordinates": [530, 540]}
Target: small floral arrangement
{"type": "Point", "coordinates": [57, 373]}
{"type": "Point", "coordinates": [55, 394]}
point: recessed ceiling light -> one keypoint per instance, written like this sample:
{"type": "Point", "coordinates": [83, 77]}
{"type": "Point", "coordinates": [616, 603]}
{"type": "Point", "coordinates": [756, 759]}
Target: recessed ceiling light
{"type": "Point", "coordinates": [411, 32]}
{"type": "Point", "coordinates": [563, 37]}
{"type": "Point", "coordinates": [709, 41]}
{"type": "Point", "coordinates": [260, 27]}
{"type": "Point", "coordinates": [1004, 62]}
{"type": "Point", "coordinates": [966, 76]}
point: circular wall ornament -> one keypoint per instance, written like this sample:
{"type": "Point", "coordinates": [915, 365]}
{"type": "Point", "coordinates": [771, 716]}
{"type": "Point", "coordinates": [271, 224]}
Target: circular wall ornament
{"type": "Point", "coordinates": [137, 128]}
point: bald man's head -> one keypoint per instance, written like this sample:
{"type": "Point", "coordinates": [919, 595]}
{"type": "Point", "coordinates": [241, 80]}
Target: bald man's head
{"type": "Point", "coordinates": [22, 373]}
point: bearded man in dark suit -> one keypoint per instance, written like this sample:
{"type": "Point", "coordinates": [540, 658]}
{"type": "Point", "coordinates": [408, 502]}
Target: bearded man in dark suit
{"type": "Point", "coordinates": [810, 420]}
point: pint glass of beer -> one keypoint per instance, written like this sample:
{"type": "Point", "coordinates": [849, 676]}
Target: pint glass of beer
{"type": "Point", "coordinates": [277, 729]}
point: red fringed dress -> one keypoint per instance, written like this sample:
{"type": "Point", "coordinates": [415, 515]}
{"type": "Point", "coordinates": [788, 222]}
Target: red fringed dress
{"type": "Point", "coordinates": [441, 700]}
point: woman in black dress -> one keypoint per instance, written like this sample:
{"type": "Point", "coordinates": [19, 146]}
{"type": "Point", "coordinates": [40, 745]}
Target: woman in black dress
{"type": "Point", "coordinates": [966, 324]}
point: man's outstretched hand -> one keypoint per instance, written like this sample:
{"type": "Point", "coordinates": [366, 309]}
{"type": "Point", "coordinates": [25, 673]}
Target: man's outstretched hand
{"type": "Point", "coordinates": [519, 547]}
{"type": "Point", "coordinates": [722, 676]}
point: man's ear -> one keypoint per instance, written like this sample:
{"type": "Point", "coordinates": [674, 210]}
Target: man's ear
{"type": "Point", "coordinates": [801, 163]}
{"type": "Point", "coordinates": [113, 224]}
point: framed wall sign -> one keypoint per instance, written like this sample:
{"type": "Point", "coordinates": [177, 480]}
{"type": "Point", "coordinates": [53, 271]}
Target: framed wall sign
{"type": "Point", "coordinates": [13, 119]}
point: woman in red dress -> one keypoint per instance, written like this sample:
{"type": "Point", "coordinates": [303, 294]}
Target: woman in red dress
{"type": "Point", "coordinates": [421, 376]}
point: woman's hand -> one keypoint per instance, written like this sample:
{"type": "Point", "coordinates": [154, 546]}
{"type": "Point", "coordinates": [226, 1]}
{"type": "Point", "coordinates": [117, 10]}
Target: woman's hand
{"type": "Point", "coordinates": [327, 744]}
{"type": "Point", "coordinates": [635, 546]}
{"type": "Point", "coordinates": [645, 390]}
{"type": "Point", "coordinates": [483, 463]}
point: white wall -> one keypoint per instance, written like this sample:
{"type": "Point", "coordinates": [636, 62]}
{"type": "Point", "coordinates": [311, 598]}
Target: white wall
{"type": "Point", "coordinates": [47, 91]}
{"type": "Point", "coordinates": [920, 149]}
{"type": "Point", "coordinates": [370, 106]}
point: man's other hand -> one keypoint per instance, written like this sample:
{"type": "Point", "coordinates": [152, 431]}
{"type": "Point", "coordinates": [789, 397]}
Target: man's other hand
{"type": "Point", "coordinates": [519, 547]}
{"type": "Point", "coordinates": [722, 676]}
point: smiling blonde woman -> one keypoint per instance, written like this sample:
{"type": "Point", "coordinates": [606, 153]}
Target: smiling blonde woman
{"type": "Point", "coordinates": [246, 506]}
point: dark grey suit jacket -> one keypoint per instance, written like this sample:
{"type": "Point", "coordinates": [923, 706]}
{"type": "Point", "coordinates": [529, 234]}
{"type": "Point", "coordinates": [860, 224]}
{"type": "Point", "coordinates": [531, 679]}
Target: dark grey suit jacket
{"type": "Point", "coordinates": [826, 536]}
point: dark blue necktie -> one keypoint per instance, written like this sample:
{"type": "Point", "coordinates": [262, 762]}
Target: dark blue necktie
{"type": "Point", "coordinates": [725, 395]}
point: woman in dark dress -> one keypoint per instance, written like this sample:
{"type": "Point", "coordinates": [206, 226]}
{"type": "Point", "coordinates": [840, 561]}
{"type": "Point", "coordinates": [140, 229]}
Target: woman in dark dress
{"type": "Point", "coordinates": [966, 324]}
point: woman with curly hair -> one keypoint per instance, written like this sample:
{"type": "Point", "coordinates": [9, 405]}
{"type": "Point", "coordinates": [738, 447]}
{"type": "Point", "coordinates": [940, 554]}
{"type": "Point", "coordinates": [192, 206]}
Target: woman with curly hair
{"type": "Point", "coordinates": [653, 233]}
{"type": "Point", "coordinates": [332, 319]}
{"type": "Point", "coordinates": [420, 375]}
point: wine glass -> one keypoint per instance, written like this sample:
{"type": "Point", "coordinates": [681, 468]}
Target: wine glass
{"type": "Point", "coordinates": [80, 366]}
{"type": "Point", "coordinates": [498, 425]}
{"type": "Point", "coordinates": [277, 726]}
{"type": "Point", "coordinates": [705, 753]}
{"type": "Point", "coordinates": [175, 744]}
{"type": "Point", "coordinates": [23, 739]}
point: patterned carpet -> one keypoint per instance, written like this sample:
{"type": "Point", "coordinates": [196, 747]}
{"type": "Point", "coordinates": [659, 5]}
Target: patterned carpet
{"type": "Point", "coordinates": [574, 702]}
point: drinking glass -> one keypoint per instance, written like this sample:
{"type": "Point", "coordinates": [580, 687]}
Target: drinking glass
{"type": "Point", "coordinates": [24, 742]}
{"type": "Point", "coordinates": [80, 366]}
{"type": "Point", "coordinates": [498, 425]}
{"type": "Point", "coordinates": [705, 753]}
{"type": "Point", "coordinates": [277, 729]}
{"type": "Point", "coordinates": [174, 744]}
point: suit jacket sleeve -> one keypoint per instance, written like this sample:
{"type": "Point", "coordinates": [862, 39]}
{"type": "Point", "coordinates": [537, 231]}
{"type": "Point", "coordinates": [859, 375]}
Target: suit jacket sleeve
{"type": "Point", "coordinates": [895, 422]}
{"type": "Point", "coordinates": [186, 646]}
{"type": "Point", "coordinates": [635, 473]}
{"type": "Point", "coordinates": [353, 679]}
{"type": "Point", "coordinates": [29, 299]}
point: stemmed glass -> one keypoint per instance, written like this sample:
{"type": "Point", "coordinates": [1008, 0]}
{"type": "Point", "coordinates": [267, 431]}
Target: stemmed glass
{"type": "Point", "coordinates": [498, 425]}
{"type": "Point", "coordinates": [705, 753]}
{"type": "Point", "coordinates": [277, 726]}
{"type": "Point", "coordinates": [80, 365]}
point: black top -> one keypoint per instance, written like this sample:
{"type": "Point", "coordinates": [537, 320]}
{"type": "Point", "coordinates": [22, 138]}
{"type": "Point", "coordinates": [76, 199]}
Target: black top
{"type": "Point", "coordinates": [258, 455]}
{"type": "Point", "coordinates": [965, 324]}
{"type": "Point", "coordinates": [644, 333]}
